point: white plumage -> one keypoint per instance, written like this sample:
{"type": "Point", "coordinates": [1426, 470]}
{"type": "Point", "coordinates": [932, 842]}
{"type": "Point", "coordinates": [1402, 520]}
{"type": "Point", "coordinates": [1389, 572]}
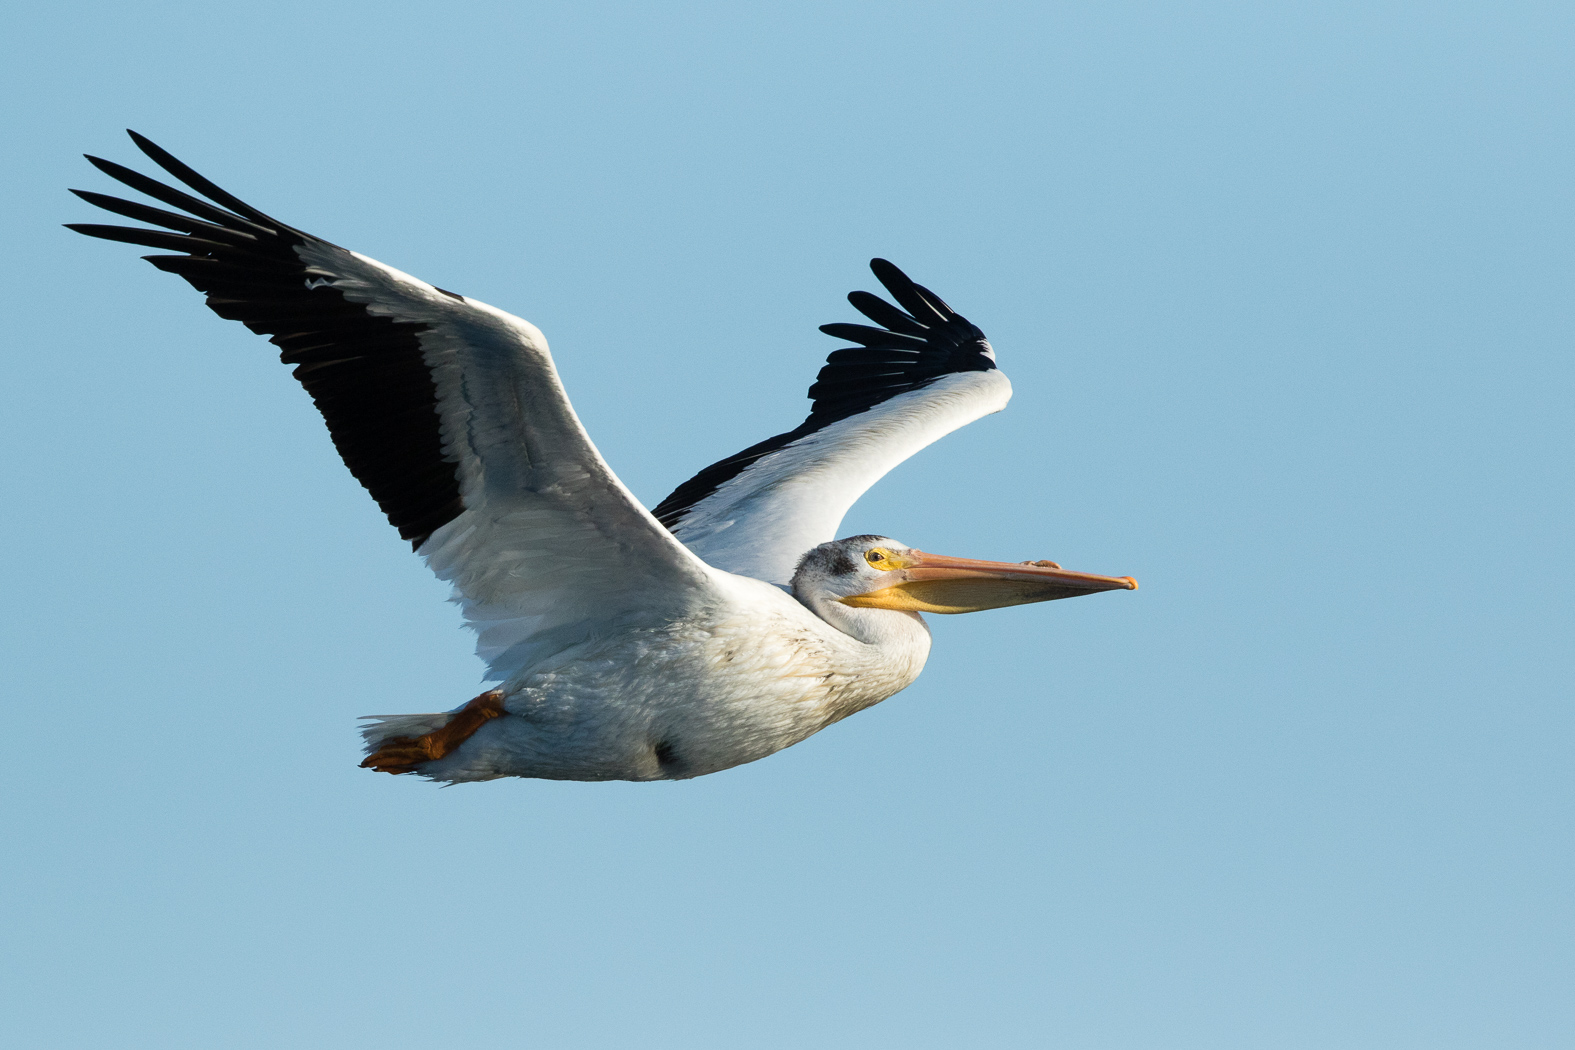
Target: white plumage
{"type": "Point", "coordinates": [634, 645]}
{"type": "Point", "coordinates": [761, 522]}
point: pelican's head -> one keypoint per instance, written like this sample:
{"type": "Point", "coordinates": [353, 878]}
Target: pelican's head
{"type": "Point", "coordinates": [875, 572]}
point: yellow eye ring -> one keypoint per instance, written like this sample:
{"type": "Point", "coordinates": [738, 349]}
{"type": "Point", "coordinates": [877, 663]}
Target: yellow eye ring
{"type": "Point", "coordinates": [880, 558]}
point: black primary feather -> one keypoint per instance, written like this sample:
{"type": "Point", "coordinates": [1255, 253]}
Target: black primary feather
{"type": "Point", "coordinates": [365, 373]}
{"type": "Point", "coordinates": [912, 350]}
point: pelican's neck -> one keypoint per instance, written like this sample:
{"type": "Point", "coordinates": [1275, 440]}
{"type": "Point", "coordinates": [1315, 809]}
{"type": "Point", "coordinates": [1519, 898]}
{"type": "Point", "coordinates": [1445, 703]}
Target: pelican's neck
{"type": "Point", "coordinates": [886, 629]}
{"type": "Point", "coordinates": [883, 653]}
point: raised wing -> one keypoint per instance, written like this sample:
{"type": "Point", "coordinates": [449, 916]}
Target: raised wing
{"type": "Point", "coordinates": [922, 374]}
{"type": "Point", "coordinates": [448, 410]}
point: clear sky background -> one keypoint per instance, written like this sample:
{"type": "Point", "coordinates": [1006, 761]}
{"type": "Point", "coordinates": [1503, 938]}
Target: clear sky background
{"type": "Point", "coordinates": [1286, 294]}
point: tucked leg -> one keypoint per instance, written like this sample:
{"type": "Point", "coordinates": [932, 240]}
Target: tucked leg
{"type": "Point", "coordinates": [402, 754]}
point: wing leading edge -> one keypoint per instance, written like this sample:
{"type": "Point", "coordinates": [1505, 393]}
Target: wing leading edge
{"type": "Point", "coordinates": [925, 372]}
{"type": "Point", "coordinates": [448, 410]}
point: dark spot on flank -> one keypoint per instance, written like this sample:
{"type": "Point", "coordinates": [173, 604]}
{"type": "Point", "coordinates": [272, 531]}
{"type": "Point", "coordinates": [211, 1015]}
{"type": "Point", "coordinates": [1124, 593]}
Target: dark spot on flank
{"type": "Point", "coordinates": [667, 757]}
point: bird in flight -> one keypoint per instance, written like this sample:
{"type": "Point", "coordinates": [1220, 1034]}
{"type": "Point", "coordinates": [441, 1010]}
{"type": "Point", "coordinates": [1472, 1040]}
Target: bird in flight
{"type": "Point", "coordinates": [720, 627]}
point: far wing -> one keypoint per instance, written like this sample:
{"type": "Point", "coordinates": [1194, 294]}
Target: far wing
{"type": "Point", "coordinates": [448, 410]}
{"type": "Point", "coordinates": [922, 374]}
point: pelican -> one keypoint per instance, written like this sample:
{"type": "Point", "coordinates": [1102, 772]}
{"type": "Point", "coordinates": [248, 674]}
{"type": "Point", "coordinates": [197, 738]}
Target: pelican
{"type": "Point", "coordinates": [724, 625]}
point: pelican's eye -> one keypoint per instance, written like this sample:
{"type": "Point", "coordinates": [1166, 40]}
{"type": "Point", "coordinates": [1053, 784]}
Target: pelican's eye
{"type": "Point", "coordinates": [880, 559]}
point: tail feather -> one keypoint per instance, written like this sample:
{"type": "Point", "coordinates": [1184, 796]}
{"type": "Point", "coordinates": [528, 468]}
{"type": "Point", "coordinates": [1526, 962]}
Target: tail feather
{"type": "Point", "coordinates": [379, 728]}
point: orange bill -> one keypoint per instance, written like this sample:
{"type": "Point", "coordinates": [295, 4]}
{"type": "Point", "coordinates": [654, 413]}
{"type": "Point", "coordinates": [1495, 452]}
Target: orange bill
{"type": "Point", "coordinates": [938, 584]}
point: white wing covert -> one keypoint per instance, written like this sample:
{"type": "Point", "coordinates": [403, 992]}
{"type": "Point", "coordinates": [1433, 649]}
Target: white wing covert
{"type": "Point", "coordinates": [915, 379]}
{"type": "Point", "coordinates": [448, 410]}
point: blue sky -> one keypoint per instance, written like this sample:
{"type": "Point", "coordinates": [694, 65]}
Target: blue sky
{"type": "Point", "coordinates": [1285, 293]}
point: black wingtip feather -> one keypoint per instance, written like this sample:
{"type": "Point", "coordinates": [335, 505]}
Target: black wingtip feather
{"type": "Point", "coordinates": [147, 238]}
{"type": "Point", "coordinates": [168, 220]}
{"type": "Point", "coordinates": [919, 301]}
{"type": "Point", "coordinates": [908, 353]}
{"type": "Point", "coordinates": [863, 333]}
{"type": "Point", "coordinates": [884, 314]}
{"type": "Point", "coordinates": [366, 373]}
{"type": "Point", "coordinates": [165, 160]}
{"type": "Point", "coordinates": [185, 201]}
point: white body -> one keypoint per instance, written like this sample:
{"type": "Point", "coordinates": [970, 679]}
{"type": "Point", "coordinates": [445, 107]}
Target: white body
{"type": "Point", "coordinates": [748, 675]}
